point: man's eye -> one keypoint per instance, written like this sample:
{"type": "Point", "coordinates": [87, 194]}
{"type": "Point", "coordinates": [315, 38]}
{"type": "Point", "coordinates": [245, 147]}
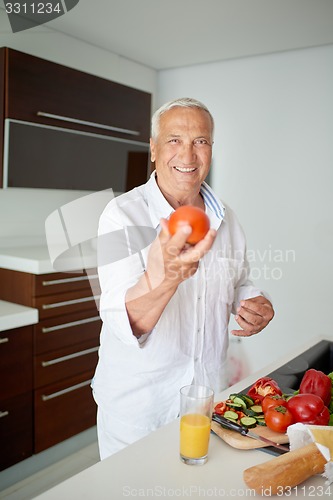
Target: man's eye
{"type": "Point", "coordinates": [201, 141]}
{"type": "Point", "coordinates": [174, 141]}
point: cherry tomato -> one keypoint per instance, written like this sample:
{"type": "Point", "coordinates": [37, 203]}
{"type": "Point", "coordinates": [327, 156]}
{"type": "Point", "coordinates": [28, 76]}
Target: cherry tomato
{"type": "Point", "coordinates": [193, 216]}
{"type": "Point", "coordinates": [272, 401]}
{"type": "Point", "coordinates": [278, 418]}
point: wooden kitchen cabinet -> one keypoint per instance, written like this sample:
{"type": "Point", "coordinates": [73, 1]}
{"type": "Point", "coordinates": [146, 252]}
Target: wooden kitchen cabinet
{"type": "Point", "coordinates": [59, 100]}
{"type": "Point", "coordinates": [16, 395]}
{"type": "Point", "coordinates": [35, 87]}
{"type": "Point", "coordinates": [63, 353]}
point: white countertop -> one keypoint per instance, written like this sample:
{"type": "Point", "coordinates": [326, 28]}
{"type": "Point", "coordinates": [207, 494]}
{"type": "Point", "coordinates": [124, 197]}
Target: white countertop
{"type": "Point", "coordinates": [151, 468]}
{"type": "Point", "coordinates": [15, 315]}
{"type": "Point", "coordinates": [36, 260]}
{"type": "Point", "coordinates": [29, 259]}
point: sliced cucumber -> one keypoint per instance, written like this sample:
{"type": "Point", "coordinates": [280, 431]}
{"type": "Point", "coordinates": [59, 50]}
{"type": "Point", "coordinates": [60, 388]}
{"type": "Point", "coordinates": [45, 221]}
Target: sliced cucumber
{"type": "Point", "coordinates": [250, 413]}
{"type": "Point", "coordinates": [236, 406]}
{"type": "Point", "coordinates": [248, 422]}
{"type": "Point", "coordinates": [247, 399]}
{"type": "Point", "coordinates": [233, 396]}
{"type": "Point", "coordinates": [240, 401]}
{"type": "Point", "coordinates": [232, 415]}
{"type": "Point", "coordinates": [257, 409]}
{"type": "Point", "coordinates": [261, 421]}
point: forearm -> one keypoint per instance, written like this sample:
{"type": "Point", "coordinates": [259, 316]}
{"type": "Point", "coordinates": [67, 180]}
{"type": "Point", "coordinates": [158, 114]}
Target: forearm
{"type": "Point", "coordinates": [145, 303]}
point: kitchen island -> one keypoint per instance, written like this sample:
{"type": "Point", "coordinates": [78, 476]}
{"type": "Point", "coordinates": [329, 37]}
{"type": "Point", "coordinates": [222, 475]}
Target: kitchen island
{"type": "Point", "coordinates": [151, 468]}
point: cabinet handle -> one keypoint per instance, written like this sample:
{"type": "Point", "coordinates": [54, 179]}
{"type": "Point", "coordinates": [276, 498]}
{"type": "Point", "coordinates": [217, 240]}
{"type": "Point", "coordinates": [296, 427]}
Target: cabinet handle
{"type": "Point", "coordinates": [70, 325]}
{"type": "Point", "coordinates": [68, 357]}
{"type": "Point", "coordinates": [65, 391]}
{"type": "Point", "coordinates": [4, 413]}
{"type": "Point", "coordinates": [88, 123]}
{"type": "Point", "coordinates": [68, 302]}
{"type": "Point", "coordinates": [68, 280]}
{"type": "Point", "coordinates": [4, 340]}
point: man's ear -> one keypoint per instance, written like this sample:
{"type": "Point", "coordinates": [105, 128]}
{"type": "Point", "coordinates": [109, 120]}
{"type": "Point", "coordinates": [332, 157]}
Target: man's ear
{"type": "Point", "coordinates": [152, 150]}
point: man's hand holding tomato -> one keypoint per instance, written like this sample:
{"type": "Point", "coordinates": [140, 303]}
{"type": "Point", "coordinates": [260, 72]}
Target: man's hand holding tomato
{"type": "Point", "coordinates": [171, 259]}
{"type": "Point", "coordinates": [253, 315]}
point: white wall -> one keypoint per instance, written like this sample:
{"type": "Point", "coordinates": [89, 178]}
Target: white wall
{"type": "Point", "coordinates": [273, 163]}
{"type": "Point", "coordinates": [23, 211]}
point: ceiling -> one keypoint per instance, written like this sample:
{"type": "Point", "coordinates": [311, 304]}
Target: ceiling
{"type": "Point", "coordinates": [172, 33]}
{"type": "Point", "coordinates": [165, 34]}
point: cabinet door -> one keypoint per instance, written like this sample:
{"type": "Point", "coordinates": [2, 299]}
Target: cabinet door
{"type": "Point", "coordinates": [60, 332]}
{"type": "Point", "coordinates": [16, 429]}
{"type": "Point", "coordinates": [37, 88]}
{"type": "Point", "coordinates": [50, 367]}
{"type": "Point", "coordinates": [49, 284]}
{"type": "Point", "coordinates": [67, 408]}
{"type": "Point", "coordinates": [15, 361]}
{"type": "Point", "coordinates": [65, 303]}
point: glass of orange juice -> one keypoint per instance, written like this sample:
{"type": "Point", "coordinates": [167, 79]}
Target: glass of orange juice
{"type": "Point", "coordinates": [196, 407]}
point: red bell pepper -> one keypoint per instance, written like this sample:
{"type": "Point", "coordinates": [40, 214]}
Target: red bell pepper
{"type": "Point", "coordinates": [316, 382]}
{"type": "Point", "coordinates": [264, 386]}
{"type": "Point", "coordinates": [309, 409]}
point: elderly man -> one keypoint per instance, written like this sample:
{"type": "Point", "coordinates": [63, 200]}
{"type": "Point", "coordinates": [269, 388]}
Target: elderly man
{"type": "Point", "coordinates": [166, 309]}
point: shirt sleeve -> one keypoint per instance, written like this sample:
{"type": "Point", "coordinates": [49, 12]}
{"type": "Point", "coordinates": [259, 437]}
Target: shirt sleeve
{"type": "Point", "coordinates": [245, 288]}
{"type": "Point", "coordinates": [119, 268]}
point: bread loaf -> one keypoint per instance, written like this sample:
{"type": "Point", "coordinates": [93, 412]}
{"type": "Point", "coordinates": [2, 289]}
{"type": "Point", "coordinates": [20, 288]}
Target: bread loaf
{"type": "Point", "coordinates": [285, 471]}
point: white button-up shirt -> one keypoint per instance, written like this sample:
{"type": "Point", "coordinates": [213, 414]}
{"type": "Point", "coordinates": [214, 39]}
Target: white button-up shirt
{"type": "Point", "coordinates": [137, 381]}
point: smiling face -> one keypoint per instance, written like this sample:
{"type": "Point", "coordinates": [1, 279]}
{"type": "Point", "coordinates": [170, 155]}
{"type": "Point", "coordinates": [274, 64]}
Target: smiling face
{"type": "Point", "coordinates": [182, 153]}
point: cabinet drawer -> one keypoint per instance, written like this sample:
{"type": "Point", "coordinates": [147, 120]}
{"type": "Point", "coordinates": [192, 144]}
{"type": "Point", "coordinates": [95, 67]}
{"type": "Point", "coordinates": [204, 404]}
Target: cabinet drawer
{"type": "Point", "coordinates": [49, 284]}
{"type": "Point", "coordinates": [16, 423]}
{"type": "Point", "coordinates": [38, 86]}
{"type": "Point", "coordinates": [60, 332]}
{"type": "Point", "coordinates": [63, 410]}
{"type": "Point", "coordinates": [65, 303]}
{"type": "Point", "coordinates": [58, 365]}
{"type": "Point", "coordinates": [15, 361]}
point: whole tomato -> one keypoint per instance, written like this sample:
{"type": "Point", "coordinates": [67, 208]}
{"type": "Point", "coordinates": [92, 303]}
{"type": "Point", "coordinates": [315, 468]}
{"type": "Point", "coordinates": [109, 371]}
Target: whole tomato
{"type": "Point", "coordinates": [194, 217]}
{"type": "Point", "coordinates": [278, 418]}
{"type": "Point", "coordinates": [308, 408]}
{"type": "Point", "coordinates": [272, 401]}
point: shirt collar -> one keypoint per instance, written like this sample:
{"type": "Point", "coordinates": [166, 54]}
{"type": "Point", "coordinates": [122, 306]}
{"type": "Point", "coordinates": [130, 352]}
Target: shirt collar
{"type": "Point", "coordinates": [158, 205]}
{"type": "Point", "coordinates": [160, 208]}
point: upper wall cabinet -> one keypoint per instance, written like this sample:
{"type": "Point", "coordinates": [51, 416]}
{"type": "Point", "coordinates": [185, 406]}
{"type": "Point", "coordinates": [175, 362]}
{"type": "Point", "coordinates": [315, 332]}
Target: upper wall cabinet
{"type": "Point", "coordinates": [62, 128]}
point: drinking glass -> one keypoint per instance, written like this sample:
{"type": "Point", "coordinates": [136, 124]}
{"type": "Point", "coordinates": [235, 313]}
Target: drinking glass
{"type": "Point", "coordinates": [196, 407]}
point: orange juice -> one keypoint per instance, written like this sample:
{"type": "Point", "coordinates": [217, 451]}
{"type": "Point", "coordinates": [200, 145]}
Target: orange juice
{"type": "Point", "coordinates": [194, 435]}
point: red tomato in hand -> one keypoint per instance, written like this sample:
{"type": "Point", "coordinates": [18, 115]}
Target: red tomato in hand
{"type": "Point", "coordinates": [272, 401]}
{"type": "Point", "coordinates": [194, 217]}
{"type": "Point", "coordinates": [278, 418]}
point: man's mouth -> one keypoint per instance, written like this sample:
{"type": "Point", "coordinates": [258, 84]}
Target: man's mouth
{"type": "Point", "coordinates": [185, 169]}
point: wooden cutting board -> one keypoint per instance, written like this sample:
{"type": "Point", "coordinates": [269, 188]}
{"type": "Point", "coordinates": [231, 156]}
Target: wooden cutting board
{"type": "Point", "coordinates": [245, 443]}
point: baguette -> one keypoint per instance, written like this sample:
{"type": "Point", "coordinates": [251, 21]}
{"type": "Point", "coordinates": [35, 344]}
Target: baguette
{"type": "Point", "coordinates": [285, 471]}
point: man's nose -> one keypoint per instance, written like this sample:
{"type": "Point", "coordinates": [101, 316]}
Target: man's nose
{"type": "Point", "coordinates": [187, 153]}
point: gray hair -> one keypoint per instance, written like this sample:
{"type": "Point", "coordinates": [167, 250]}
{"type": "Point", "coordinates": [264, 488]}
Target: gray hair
{"type": "Point", "coordinates": [185, 102]}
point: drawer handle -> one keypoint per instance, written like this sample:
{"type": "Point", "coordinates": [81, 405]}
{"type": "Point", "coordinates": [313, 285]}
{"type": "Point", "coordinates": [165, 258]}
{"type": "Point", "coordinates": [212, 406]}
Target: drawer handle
{"type": "Point", "coordinates": [70, 325]}
{"type": "Point", "coordinates": [68, 302]}
{"type": "Point", "coordinates": [4, 340]}
{"type": "Point", "coordinates": [68, 357]}
{"type": "Point", "coordinates": [88, 123]}
{"type": "Point", "coordinates": [4, 413]}
{"type": "Point", "coordinates": [68, 280]}
{"type": "Point", "coordinates": [65, 391]}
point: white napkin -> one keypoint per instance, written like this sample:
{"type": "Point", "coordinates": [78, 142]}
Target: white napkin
{"type": "Point", "coordinates": [322, 435]}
